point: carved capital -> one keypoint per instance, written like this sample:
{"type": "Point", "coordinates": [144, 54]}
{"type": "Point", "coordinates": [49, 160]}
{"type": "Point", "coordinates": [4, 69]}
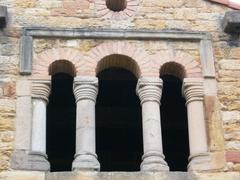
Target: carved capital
{"type": "Point", "coordinates": [85, 88]}
{"type": "Point", "coordinates": [149, 89]}
{"type": "Point", "coordinates": [41, 89]}
{"type": "Point", "coordinates": [193, 89]}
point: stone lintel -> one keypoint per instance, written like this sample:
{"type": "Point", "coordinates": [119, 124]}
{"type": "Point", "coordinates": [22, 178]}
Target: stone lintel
{"type": "Point", "coordinates": [142, 34]}
{"type": "Point", "coordinates": [3, 16]}
{"type": "Point", "coordinates": [231, 22]}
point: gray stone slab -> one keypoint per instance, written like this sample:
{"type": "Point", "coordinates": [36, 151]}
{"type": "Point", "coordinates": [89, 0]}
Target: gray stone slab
{"type": "Point", "coordinates": [26, 55]}
{"type": "Point", "coordinates": [3, 16]}
{"type": "Point", "coordinates": [207, 58]}
{"type": "Point", "coordinates": [113, 34]}
{"type": "Point", "coordinates": [29, 161]}
{"type": "Point", "coordinates": [231, 22]}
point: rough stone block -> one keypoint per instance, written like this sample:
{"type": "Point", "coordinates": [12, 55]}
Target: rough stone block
{"type": "Point", "coordinates": [3, 16]}
{"type": "Point", "coordinates": [231, 22]}
{"type": "Point", "coordinates": [23, 88]}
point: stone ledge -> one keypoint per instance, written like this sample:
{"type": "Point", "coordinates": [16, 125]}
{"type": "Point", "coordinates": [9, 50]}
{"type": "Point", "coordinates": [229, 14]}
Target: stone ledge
{"type": "Point", "coordinates": [34, 175]}
{"type": "Point", "coordinates": [231, 22]}
{"type": "Point", "coordinates": [3, 16]}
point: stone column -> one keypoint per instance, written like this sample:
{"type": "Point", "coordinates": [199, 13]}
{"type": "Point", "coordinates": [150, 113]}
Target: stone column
{"type": "Point", "coordinates": [85, 90]}
{"type": "Point", "coordinates": [149, 91]}
{"type": "Point", "coordinates": [40, 93]}
{"type": "Point", "coordinates": [199, 157]}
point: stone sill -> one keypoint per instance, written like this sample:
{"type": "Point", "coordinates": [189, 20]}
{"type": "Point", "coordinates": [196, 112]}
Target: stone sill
{"type": "Point", "coordinates": [33, 175]}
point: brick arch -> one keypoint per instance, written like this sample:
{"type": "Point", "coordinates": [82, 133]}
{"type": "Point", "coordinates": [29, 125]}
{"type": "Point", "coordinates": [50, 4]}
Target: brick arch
{"type": "Point", "coordinates": [138, 55]}
{"type": "Point", "coordinates": [191, 67]}
{"type": "Point", "coordinates": [43, 61]}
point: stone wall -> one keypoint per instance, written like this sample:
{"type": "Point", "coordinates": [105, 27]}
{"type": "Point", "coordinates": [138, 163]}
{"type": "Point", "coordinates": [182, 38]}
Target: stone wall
{"type": "Point", "coordinates": [188, 15]}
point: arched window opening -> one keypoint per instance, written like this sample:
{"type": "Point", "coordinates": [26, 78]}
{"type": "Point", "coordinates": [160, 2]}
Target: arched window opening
{"type": "Point", "coordinates": [60, 66]}
{"type": "Point", "coordinates": [118, 121]}
{"type": "Point", "coordinates": [61, 123]}
{"type": "Point", "coordinates": [116, 5]}
{"type": "Point", "coordinates": [174, 118]}
{"type": "Point", "coordinates": [120, 61]}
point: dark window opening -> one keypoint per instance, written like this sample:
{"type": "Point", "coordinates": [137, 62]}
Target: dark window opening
{"type": "Point", "coordinates": [116, 5]}
{"type": "Point", "coordinates": [118, 121]}
{"type": "Point", "coordinates": [61, 123]}
{"type": "Point", "coordinates": [174, 124]}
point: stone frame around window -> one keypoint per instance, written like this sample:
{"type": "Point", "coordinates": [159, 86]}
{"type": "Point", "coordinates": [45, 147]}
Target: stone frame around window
{"type": "Point", "coordinates": [23, 158]}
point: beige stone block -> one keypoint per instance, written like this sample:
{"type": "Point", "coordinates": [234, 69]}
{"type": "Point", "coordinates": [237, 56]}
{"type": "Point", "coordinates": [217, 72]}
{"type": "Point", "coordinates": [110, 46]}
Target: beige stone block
{"type": "Point", "coordinates": [23, 88]}
{"type": "Point", "coordinates": [6, 124]}
{"type": "Point", "coordinates": [229, 64]}
{"type": "Point", "coordinates": [230, 116]}
{"type": "Point", "coordinates": [214, 124]}
{"type": "Point", "coordinates": [22, 175]}
{"type": "Point", "coordinates": [23, 122]}
{"type": "Point", "coordinates": [233, 145]}
{"type": "Point", "coordinates": [216, 176]}
{"type": "Point", "coordinates": [218, 160]}
{"type": "Point", "coordinates": [26, 3]}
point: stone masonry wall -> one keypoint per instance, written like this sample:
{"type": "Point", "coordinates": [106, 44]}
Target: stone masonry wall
{"type": "Point", "coordinates": [188, 15]}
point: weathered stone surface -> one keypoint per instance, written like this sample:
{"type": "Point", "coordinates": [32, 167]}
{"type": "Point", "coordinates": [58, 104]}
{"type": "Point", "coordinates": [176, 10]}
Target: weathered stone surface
{"type": "Point", "coordinates": [186, 15]}
{"type": "Point", "coordinates": [21, 175]}
{"type": "Point", "coordinates": [231, 22]}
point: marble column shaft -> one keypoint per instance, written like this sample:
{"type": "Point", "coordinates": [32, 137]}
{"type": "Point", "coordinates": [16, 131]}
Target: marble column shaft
{"type": "Point", "coordinates": [194, 94]}
{"type": "Point", "coordinates": [85, 90]}
{"type": "Point", "coordinates": [40, 94]}
{"type": "Point", "coordinates": [149, 91]}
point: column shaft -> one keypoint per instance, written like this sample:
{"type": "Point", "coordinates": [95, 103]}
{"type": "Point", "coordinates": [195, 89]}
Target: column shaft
{"type": "Point", "coordinates": [149, 91]}
{"type": "Point", "coordinates": [151, 120]}
{"type": "Point", "coordinates": [85, 134]}
{"type": "Point", "coordinates": [196, 128]}
{"type": "Point", "coordinates": [199, 157]}
{"type": "Point", "coordinates": [38, 157]}
{"type": "Point", "coordinates": [85, 90]}
{"type": "Point", "coordinates": [39, 126]}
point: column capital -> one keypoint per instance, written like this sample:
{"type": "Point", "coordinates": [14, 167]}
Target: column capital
{"type": "Point", "coordinates": [149, 89]}
{"type": "Point", "coordinates": [85, 88]}
{"type": "Point", "coordinates": [41, 89]}
{"type": "Point", "coordinates": [193, 89]}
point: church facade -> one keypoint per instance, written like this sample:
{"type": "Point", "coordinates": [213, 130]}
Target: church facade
{"type": "Point", "coordinates": [120, 89]}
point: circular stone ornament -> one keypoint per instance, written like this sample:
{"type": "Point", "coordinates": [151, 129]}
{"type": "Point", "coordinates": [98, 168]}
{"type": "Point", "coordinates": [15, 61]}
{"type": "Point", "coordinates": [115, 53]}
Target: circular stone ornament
{"type": "Point", "coordinates": [116, 9]}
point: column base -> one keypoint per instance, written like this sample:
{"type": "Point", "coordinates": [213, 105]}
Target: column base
{"type": "Point", "coordinates": [154, 161]}
{"type": "Point", "coordinates": [199, 162]}
{"type": "Point", "coordinates": [85, 162]}
{"type": "Point", "coordinates": [31, 161]}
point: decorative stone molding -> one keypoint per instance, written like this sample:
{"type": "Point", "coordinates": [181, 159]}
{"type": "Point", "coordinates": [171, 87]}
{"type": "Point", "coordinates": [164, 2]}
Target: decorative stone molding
{"type": "Point", "coordinates": [3, 16]}
{"type": "Point", "coordinates": [85, 90]}
{"type": "Point", "coordinates": [193, 90]}
{"type": "Point", "coordinates": [127, 9]}
{"type": "Point", "coordinates": [46, 58]}
{"type": "Point", "coordinates": [191, 67]}
{"type": "Point", "coordinates": [149, 91]}
{"type": "Point", "coordinates": [231, 22]}
{"type": "Point", "coordinates": [41, 90]}
{"type": "Point", "coordinates": [199, 159]}
{"type": "Point", "coordinates": [206, 51]}
{"type": "Point", "coordinates": [137, 55]}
